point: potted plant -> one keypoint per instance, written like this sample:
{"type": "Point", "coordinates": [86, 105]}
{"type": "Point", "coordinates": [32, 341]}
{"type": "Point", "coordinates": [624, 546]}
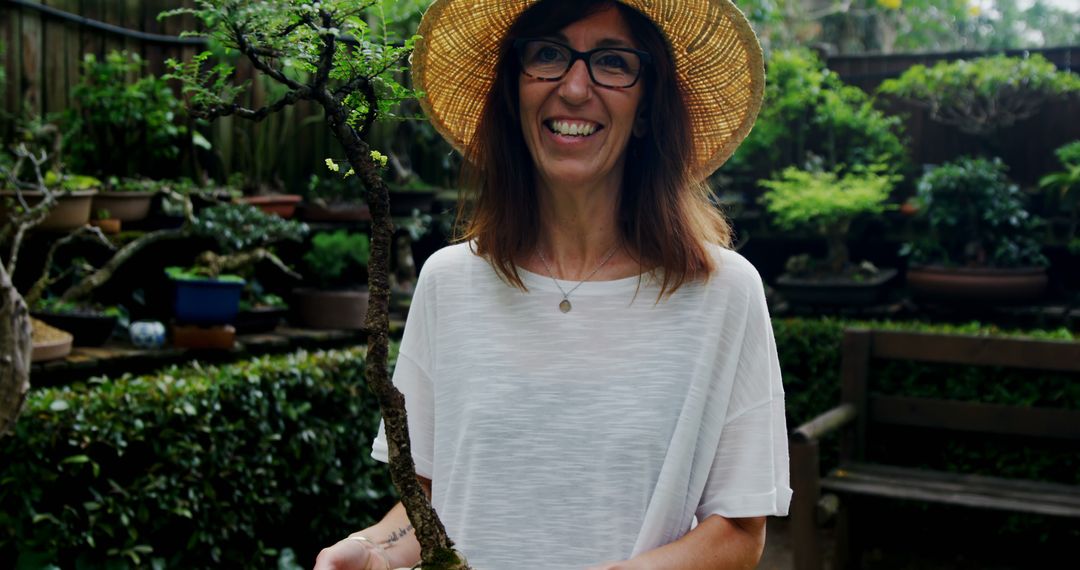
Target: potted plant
{"type": "Point", "coordinates": [338, 262]}
{"type": "Point", "coordinates": [260, 311]}
{"type": "Point", "coordinates": [980, 245]}
{"type": "Point", "coordinates": [281, 205]}
{"type": "Point", "coordinates": [203, 297]}
{"type": "Point", "coordinates": [827, 202]}
{"type": "Point", "coordinates": [1065, 184]}
{"type": "Point", "coordinates": [73, 193]}
{"type": "Point", "coordinates": [334, 199]}
{"type": "Point", "coordinates": [103, 219]}
{"type": "Point", "coordinates": [129, 199]}
{"type": "Point", "coordinates": [90, 324]}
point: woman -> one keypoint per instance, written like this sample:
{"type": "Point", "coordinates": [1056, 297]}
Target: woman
{"type": "Point", "coordinates": [591, 377]}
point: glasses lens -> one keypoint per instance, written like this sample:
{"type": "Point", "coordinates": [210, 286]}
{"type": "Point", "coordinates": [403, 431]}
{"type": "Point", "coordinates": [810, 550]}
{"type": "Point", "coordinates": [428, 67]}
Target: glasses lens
{"type": "Point", "coordinates": [615, 68]}
{"type": "Point", "coordinates": [544, 60]}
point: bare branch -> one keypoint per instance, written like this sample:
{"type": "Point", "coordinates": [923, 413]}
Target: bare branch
{"type": "Point", "coordinates": [256, 60]}
{"type": "Point", "coordinates": [326, 60]}
{"type": "Point", "coordinates": [43, 282]}
{"type": "Point", "coordinates": [259, 114]}
{"type": "Point", "coordinates": [102, 275]}
{"type": "Point", "coordinates": [218, 264]}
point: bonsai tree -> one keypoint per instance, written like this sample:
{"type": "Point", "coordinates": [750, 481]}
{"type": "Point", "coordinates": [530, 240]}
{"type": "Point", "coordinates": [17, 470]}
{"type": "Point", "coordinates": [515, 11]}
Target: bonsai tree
{"type": "Point", "coordinates": [976, 218]}
{"type": "Point", "coordinates": [826, 202]}
{"type": "Point", "coordinates": [980, 96]}
{"type": "Point", "coordinates": [325, 53]}
{"type": "Point", "coordinates": [338, 259]}
{"type": "Point", "coordinates": [1066, 183]}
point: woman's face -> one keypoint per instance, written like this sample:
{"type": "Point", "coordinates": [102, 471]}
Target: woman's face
{"type": "Point", "coordinates": [575, 102]}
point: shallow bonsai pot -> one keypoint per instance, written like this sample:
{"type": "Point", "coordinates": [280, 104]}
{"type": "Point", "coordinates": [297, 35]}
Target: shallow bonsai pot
{"type": "Point", "coordinates": [331, 309]}
{"type": "Point", "coordinates": [336, 213]}
{"type": "Point", "coordinates": [206, 301]}
{"type": "Point", "coordinates": [976, 284]}
{"type": "Point", "coordinates": [835, 290]}
{"type": "Point", "coordinates": [72, 209]}
{"type": "Point", "coordinates": [124, 206]}
{"type": "Point", "coordinates": [51, 350]}
{"type": "Point", "coordinates": [88, 329]}
{"type": "Point", "coordinates": [283, 205]}
{"type": "Point", "coordinates": [259, 319]}
{"type": "Point", "coordinates": [216, 337]}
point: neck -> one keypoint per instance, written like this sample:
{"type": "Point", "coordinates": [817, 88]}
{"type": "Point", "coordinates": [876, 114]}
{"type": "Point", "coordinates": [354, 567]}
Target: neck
{"type": "Point", "coordinates": [579, 227]}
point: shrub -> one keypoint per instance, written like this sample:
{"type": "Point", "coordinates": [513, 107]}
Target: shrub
{"type": "Point", "coordinates": [195, 467]}
{"type": "Point", "coordinates": [976, 218]}
{"type": "Point", "coordinates": [809, 112]}
{"type": "Point", "coordinates": [339, 258]}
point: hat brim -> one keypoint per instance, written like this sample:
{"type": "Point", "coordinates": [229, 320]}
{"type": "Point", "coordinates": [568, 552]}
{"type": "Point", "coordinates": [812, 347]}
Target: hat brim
{"type": "Point", "coordinates": [718, 63]}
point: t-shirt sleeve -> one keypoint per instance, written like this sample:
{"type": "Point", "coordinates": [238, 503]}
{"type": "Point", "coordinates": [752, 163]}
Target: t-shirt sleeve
{"type": "Point", "coordinates": [750, 475]}
{"type": "Point", "coordinates": [412, 376]}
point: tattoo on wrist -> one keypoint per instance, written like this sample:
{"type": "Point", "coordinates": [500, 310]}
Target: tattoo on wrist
{"type": "Point", "coordinates": [397, 535]}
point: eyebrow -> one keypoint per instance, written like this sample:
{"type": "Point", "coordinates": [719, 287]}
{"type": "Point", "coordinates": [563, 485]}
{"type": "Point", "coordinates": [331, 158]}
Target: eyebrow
{"type": "Point", "coordinates": [605, 42]}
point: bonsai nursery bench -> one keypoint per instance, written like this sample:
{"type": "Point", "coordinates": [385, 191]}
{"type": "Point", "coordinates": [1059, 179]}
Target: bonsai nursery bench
{"type": "Point", "coordinates": [860, 409]}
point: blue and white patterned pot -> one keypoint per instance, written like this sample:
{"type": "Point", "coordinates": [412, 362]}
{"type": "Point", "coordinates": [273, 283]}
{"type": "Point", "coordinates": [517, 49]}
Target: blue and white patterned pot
{"type": "Point", "coordinates": [147, 334]}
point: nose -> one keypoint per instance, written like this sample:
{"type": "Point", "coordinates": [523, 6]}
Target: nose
{"type": "Point", "coordinates": [575, 87]}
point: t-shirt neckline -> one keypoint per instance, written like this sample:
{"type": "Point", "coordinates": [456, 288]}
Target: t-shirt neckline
{"type": "Point", "coordinates": [544, 282]}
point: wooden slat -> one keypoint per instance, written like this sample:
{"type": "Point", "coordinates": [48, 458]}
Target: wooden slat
{"type": "Point", "coordinates": [30, 62]}
{"type": "Point", "coordinates": [956, 489]}
{"type": "Point", "coordinates": [12, 38]}
{"type": "Point", "coordinates": [54, 60]}
{"type": "Point", "coordinates": [92, 41]}
{"type": "Point", "coordinates": [976, 417]}
{"type": "Point", "coordinates": [854, 368]}
{"type": "Point", "coordinates": [978, 351]}
{"type": "Point", "coordinates": [112, 12]}
{"type": "Point", "coordinates": [73, 50]}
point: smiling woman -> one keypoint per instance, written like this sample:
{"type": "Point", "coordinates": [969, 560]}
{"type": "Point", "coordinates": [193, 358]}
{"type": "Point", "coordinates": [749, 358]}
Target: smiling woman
{"type": "Point", "coordinates": [559, 421]}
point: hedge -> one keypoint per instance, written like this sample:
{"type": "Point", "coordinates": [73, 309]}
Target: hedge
{"type": "Point", "coordinates": [258, 464]}
{"type": "Point", "coordinates": [236, 466]}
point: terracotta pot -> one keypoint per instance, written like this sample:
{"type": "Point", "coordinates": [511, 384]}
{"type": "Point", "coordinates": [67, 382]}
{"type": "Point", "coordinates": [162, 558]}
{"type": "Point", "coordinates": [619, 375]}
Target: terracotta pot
{"type": "Point", "coordinates": [124, 206]}
{"type": "Point", "coordinates": [110, 226]}
{"type": "Point", "coordinates": [336, 213]}
{"type": "Point", "coordinates": [72, 210]}
{"type": "Point", "coordinates": [331, 309]}
{"type": "Point", "coordinates": [219, 337]}
{"type": "Point", "coordinates": [976, 284]}
{"type": "Point", "coordinates": [283, 205]}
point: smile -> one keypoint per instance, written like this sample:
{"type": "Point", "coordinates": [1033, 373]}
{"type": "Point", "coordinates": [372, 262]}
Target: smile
{"type": "Point", "coordinates": [572, 128]}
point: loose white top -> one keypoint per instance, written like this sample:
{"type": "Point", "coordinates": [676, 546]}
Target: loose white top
{"type": "Point", "coordinates": [561, 440]}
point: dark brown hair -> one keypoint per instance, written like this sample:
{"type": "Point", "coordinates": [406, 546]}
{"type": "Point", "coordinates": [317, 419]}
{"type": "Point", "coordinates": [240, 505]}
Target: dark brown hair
{"type": "Point", "coordinates": [664, 214]}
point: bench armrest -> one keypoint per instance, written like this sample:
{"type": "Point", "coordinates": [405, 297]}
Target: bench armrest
{"type": "Point", "coordinates": [816, 428]}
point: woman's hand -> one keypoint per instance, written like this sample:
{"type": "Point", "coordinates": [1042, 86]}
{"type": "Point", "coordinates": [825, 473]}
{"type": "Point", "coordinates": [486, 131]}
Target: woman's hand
{"type": "Point", "coordinates": [614, 565]}
{"type": "Point", "coordinates": [348, 555]}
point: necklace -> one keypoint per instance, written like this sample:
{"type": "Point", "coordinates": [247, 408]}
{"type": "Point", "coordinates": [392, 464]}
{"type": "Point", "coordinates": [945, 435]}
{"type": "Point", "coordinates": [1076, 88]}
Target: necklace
{"type": "Point", "coordinates": [565, 305]}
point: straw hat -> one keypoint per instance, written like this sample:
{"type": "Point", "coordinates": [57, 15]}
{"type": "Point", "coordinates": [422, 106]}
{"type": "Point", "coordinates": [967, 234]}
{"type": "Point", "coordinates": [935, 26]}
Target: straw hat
{"type": "Point", "coordinates": [718, 61]}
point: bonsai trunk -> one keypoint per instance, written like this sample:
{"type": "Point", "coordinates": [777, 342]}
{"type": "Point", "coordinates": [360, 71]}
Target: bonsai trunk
{"type": "Point", "coordinates": [836, 241]}
{"type": "Point", "coordinates": [15, 335]}
{"type": "Point", "coordinates": [437, 548]}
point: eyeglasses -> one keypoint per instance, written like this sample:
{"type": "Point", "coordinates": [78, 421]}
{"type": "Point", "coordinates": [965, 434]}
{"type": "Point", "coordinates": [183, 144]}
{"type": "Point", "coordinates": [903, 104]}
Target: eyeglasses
{"type": "Point", "coordinates": [546, 60]}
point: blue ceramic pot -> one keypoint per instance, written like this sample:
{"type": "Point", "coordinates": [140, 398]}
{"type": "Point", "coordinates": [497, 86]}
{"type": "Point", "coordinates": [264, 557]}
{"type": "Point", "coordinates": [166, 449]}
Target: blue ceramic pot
{"type": "Point", "coordinates": [207, 301]}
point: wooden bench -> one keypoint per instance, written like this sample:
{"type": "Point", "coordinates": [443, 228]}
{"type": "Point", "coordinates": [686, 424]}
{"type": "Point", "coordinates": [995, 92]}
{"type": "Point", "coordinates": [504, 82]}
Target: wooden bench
{"type": "Point", "coordinates": [861, 409]}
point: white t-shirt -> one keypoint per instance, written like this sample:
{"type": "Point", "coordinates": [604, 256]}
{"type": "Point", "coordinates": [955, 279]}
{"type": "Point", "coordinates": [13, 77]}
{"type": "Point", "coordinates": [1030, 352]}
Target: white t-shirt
{"type": "Point", "coordinates": [559, 440]}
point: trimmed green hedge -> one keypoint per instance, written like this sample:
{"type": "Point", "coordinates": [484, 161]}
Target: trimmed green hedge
{"type": "Point", "coordinates": [196, 467]}
{"type": "Point", "coordinates": [253, 464]}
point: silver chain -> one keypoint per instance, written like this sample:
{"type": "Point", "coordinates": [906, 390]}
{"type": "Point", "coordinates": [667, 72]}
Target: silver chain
{"type": "Point", "coordinates": [565, 305]}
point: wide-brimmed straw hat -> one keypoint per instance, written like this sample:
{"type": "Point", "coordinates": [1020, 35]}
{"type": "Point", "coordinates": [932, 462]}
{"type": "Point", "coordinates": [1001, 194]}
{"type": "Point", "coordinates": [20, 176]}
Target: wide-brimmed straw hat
{"type": "Point", "coordinates": [718, 62]}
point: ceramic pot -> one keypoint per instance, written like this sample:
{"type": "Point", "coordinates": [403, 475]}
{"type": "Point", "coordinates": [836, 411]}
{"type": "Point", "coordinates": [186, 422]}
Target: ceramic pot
{"type": "Point", "coordinates": [124, 206]}
{"type": "Point", "coordinates": [976, 284]}
{"type": "Point", "coordinates": [283, 205]}
{"type": "Point", "coordinates": [206, 301]}
{"type": "Point", "coordinates": [331, 309]}
{"type": "Point", "coordinates": [72, 209]}
{"type": "Point", "coordinates": [147, 334]}
{"type": "Point", "coordinates": [217, 337]}
{"type": "Point", "coordinates": [336, 213]}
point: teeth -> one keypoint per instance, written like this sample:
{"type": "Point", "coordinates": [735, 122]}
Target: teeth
{"type": "Point", "coordinates": [573, 129]}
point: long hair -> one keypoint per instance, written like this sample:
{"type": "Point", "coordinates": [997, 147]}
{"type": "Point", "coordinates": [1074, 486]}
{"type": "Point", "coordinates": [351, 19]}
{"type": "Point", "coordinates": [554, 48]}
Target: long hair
{"type": "Point", "coordinates": [665, 215]}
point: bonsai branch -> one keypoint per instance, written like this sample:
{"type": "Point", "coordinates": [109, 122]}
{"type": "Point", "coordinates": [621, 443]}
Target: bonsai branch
{"type": "Point", "coordinates": [218, 264]}
{"type": "Point", "coordinates": [43, 282]}
{"type": "Point", "coordinates": [15, 337]}
{"type": "Point", "coordinates": [102, 275]}
{"type": "Point", "coordinates": [259, 114]}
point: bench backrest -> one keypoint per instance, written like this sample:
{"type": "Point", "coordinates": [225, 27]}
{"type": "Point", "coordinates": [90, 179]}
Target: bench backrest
{"type": "Point", "coordinates": [862, 347]}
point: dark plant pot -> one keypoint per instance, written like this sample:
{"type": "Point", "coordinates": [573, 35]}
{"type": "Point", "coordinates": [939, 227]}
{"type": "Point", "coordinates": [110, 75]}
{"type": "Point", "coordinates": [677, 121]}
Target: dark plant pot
{"type": "Point", "coordinates": [976, 284]}
{"type": "Point", "coordinates": [335, 213]}
{"type": "Point", "coordinates": [217, 337]}
{"type": "Point", "coordinates": [206, 301]}
{"type": "Point", "coordinates": [835, 290]}
{"type": "Point", "coordinates": [71, 212]}
{"type": "Point", "coordinates": [259, 320]}
{"type": "Point", "coordinates": [283, 205]}
{"type": "Point", "coordinates": [88, 329]}
{"type": "Point", "coordinates": [331, 309]}
{"type": "Point", "coordinates": [403, 202]}
{"type": "Point", "coordinates": [124, 206]}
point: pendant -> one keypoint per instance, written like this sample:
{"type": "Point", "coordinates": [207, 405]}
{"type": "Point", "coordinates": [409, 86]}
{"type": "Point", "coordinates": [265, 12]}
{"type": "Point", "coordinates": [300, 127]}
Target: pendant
{"type": "Point", "coordinates": [565, 306]}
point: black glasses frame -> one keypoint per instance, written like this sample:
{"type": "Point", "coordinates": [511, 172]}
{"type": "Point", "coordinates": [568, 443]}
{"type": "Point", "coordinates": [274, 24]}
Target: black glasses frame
{"type": "Point", "coordinates": [586, 56]}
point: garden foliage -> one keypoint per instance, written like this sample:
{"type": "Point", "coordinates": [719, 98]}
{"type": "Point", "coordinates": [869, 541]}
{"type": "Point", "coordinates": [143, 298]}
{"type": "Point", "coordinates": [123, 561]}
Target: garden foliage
{"type": "Point", "coordinates": [339, 258]}
{"type": "Point", "coordinates": [810, 114]}
{"type": "Point", "coordinates": [976, 218]}
{"type": "Point", "coordinates": [195, 467]}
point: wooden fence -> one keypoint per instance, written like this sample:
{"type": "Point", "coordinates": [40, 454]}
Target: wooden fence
{"type": "Point", "coordinates": [43, 55]}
